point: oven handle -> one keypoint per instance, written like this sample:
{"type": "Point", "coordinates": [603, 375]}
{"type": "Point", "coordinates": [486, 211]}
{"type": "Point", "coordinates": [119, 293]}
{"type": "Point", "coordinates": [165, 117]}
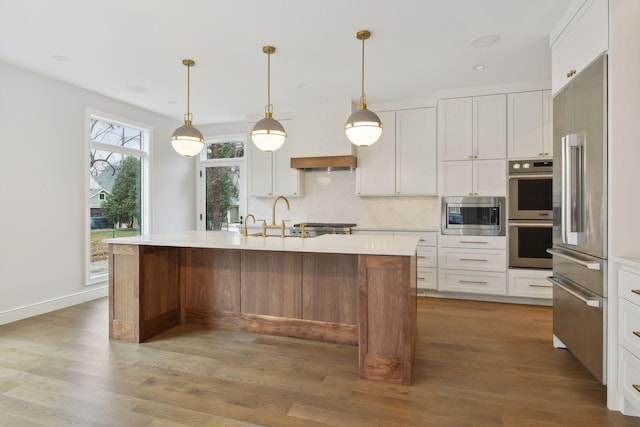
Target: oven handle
{"type": "Point", "coordinates": [590, 302]}
{"type": "Point", "coordinates": [531, 175]}
{"type": "Point", "coordinates": [531, 224]}
{"type": "Point", "coordinates": [589, 265]}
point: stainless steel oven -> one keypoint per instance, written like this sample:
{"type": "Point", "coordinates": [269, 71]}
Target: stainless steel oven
{"type": "Point", "coordinates": [473, 216]}
{"type": "Point", "coordinates": [530, 213]}
{"type": "Point", "coordinates": [531, 189]}
{"type": "Point", "coordinates": [528, 244]}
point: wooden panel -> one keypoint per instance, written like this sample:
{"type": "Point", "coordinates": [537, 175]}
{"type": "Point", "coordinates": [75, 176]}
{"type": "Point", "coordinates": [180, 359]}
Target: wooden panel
{"type": "Point", "coordinates": [123, 292]}
{"type": "Point", "coordinates": [288, 327]}
{"type": "Point", "coordinates": [159, 290]}
{"type": "Point", "coordinates": [330, 287]}
{"type": "Point", "coordinates": [271, 283]}
{"type": "Point", "coordinates": [387, 317]}
{"type": "Point", "coordinates": [211, 281]}
{"type": "Point", "coordinates": [324, 162]}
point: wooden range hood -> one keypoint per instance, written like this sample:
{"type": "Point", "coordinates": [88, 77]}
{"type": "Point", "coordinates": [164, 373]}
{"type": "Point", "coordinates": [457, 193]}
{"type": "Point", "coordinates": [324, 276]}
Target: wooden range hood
{"type": "Point", "coordinates": [333, 162]}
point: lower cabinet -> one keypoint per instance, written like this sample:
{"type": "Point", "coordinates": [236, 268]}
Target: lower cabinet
{"type": "Point", "coordinates": [529, 283]}
{"type": "Point", "coordinates": [475, 265]}
{"type": "Point", "coordinates": [629, 336]}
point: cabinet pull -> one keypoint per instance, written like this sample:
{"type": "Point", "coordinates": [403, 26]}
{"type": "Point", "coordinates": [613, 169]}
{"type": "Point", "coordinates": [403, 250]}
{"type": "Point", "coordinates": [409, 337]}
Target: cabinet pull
{"type": "Point", "coordinates": [421, 257]}
{"type": "Point", "coordinates": [637, 387]}
{"type": "Point", "coordinates": [422, 240]}
{"type": "Point", "coordinates": [474, 259]}
{"type": "Point", "coordinates": [486, 243]}
{"type": "Point", "coordinates": [473, 282]}
{"type": "Point", "coordinates": [421, 278]}
{"type": "Point", "coordinates": [636, 333]}
{"type": "Point", "coordinates": [541, 286]}
{"type": "Point", "coordinates": [636, 291]}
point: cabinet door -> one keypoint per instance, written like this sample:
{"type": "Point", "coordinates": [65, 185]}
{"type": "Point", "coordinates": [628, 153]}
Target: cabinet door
{"type": "Point", "coordinates": [376, 163]}
{"type": "Point", "coordinates": [455, 128]}
{"type": "Point", "coordinates": [260, 171]}
{"type": "Point", "coordinates": [456, 178]}
{"type": "Point", "coordinates": [286, 180]}
{"type": "Point", "coordinates": [525, 124]}
{"type": "Point", "coordinates": [489, 127]}
{"type": "Point", "coordinates": [416, 162]}
{"type": "Point", "coordinates": [489, 178]}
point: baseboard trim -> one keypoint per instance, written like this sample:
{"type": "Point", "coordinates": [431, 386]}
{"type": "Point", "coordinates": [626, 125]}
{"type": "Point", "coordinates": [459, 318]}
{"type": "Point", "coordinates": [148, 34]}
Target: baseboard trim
{"type": "Point", "coordinates": [43, 307]}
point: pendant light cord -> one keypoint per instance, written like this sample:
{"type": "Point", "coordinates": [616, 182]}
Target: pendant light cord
{"type": "Point", "coordinates": [269, 81]}
{"type": "Point", "coordinates": [362, 98]}
{"type": "Point", "coordinates": [188, 92]}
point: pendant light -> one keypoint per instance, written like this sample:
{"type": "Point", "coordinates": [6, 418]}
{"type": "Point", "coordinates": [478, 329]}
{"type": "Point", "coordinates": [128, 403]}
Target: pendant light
{"type": "Point", "coordinates": [187, 140]}
{"type": "Point", "coordinates": [363, 127]}
{"type": "Point", "coordinates": [268, 134]}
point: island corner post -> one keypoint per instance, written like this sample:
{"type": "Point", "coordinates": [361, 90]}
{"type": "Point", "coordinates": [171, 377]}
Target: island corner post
{"type": "Point", "coordinates": [359, 299]}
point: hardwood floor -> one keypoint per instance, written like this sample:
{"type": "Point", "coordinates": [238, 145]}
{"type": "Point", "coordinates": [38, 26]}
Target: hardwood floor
{"type": "Point", "coordinates": [477, 364]}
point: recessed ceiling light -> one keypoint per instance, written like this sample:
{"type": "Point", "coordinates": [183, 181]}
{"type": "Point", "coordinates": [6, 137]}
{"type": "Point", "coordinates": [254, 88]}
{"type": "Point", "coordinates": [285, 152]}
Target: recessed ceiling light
{"type": "Point", "coordinates": [137, 89]}
{"type": "Point", "coordinates": [61, 58]}
{"type": "Point", "coordinates": [303, 86]}
{"type": "Point", "coordinates": [486, 40]}
{"type": "Point", "coordinates": [478, 67]}
{"type": "Point", "coordinates": [172, 102]}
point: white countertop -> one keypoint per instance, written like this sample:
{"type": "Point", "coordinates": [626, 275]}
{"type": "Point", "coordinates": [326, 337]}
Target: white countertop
{"type": "Point", "coordinates": [328, 243]}
{"type": "Point", "coordinates": [628, 261]}
{"type": "Point", "coordinates": [434, 229]}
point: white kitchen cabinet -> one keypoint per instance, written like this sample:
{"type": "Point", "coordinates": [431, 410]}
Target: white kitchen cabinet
{"type": "Point", "coordinates": [584, 38]}
{"type": "Point", "coordinates": [403, 161]}
{"type": "Point", "coordinates": [472, 264]}
{"type": "Point", "coordinates": [629, 335]}
{"type": "Point", "coordinates": [472, 128]}
{"type": "Point", "coordinates": [473, 178]}
{"type": "Point", "coordinates": [270, 174]}
{"type": "Point", "coordinates": [529, 283]}
{"type": "Point", "coordinates": [529, 131]}
{"type": "Point", "coordinates": [319, 130]}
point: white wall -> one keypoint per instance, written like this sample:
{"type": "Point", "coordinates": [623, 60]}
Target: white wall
{"type": "Point", "coordinates": [42, 189]}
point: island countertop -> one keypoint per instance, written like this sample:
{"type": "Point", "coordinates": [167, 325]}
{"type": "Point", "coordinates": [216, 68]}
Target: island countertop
{"type": "Point", "coordinates": [328, 243]}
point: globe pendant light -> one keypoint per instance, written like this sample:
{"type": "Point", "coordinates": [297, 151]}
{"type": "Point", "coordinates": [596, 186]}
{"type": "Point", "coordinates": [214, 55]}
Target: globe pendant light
{"type": "Point", "coordinates": [187, 140]}
{"type": "Point", "coordinates": [363, 127]}
{"type": "Point", "coordinates": [268, 134]}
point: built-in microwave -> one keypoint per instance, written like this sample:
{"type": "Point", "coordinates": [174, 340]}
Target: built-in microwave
{"type": "Point", "coordinates": [473, 216]}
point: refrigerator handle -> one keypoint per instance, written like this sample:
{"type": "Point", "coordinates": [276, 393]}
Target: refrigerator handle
{"type": "Point", "coordinates": [589, 265]}
{"type": "Point", "coordinates": [572, 188]}
{"type": "Point", "coordinates": [590, 302]}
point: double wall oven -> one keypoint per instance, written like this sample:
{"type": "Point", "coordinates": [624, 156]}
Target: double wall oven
{"type": "Point", "coordinates": [530, 213]}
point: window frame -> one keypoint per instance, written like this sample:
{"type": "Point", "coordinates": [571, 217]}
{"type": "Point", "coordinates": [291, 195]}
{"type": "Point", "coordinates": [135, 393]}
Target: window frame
{"type": "Point", "coordinates": [204, 163]}
{"type": "Point", "coordinates": [144, 153]}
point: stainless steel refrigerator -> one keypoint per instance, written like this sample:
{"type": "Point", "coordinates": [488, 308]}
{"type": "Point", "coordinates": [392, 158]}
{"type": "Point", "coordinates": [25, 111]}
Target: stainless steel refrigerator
{"type": "Point", "coordinates": [580, 217]}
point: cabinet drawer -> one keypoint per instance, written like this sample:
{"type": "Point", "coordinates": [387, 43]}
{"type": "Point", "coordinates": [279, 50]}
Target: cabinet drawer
{"type": "Point", "coordinates": [427, 257]}
{"type": "Point", "coordinates": [427, 278]}
{"type": "Point", "coordinates": [629, 326]}
{"type": "Point", "coordinates": [629, 377]}
{"type": "Point", "coordinates": [475, 260]}
{"type": "Point", "coordinates": [479, 242]}
{"type": "Point", "coordinates": [473, 282]}
{"type": "Point", "coordinates": [427, 238]}
{"type": "Point", "coordinates": [529, 284]}
{"type": "Point", "coordinates": [629, 286]}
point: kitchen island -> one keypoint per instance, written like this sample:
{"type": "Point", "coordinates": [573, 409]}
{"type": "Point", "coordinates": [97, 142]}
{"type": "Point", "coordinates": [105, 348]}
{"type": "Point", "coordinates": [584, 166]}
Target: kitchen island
{"type": "Point", "coordinates": [349, 289]}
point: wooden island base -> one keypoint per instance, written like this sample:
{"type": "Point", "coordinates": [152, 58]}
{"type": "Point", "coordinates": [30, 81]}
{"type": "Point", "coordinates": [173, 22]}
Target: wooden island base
{"type": "Point", "coordinates": [364, 300]}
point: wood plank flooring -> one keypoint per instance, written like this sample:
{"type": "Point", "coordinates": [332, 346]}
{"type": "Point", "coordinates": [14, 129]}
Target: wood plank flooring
{"type": "Point", "coordinates": [477, 364]}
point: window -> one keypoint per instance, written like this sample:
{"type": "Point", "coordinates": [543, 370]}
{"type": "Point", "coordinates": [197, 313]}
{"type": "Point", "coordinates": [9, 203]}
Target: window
{"type": "Point", "coordinates": [222, 183]}
{"type": "Point", "coordinates": [117, 197]}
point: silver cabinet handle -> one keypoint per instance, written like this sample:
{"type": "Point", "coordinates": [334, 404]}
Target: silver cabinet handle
{"type": "Point", "coordinates": [590, 302]}
{"type": "Point", "coordinates": [474, 259]}
{"type": "Point", "coordinates": [531, 224]}
{"type": "Point", "coordinates": [472, 242]}
{"type": "Point", "coordinates": [541, 286]}
{"type": "Point", "coordinates": [421, 257]}
{"type": "Point", "coordinates": [421, 278]}
{"type": "Point", "coordinates": [473, 281]}
{"type": "Point", "coordinates": [589, 265]}
{"type": "Point", "coordinates": [533, 175]}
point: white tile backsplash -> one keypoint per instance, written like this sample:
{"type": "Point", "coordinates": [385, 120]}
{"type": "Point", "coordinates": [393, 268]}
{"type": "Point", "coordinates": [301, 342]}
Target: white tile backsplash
{"type": "Point", "coordinates": [330, 197]}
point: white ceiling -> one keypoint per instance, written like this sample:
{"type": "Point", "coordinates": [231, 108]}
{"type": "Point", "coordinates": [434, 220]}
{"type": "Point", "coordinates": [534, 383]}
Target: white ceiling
{"type": "Point", "coordinates": [132, 50]}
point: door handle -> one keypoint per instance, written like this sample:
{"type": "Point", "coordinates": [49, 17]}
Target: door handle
{"type": "Point", "coordinates": [590, 302]}
{"type": "Point", "coordinates": [589, 265]}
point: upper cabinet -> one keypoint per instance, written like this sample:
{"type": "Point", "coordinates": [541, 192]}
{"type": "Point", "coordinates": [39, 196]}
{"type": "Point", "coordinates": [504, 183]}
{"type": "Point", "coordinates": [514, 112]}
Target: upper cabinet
{"type": "Point", "coordinates": [472, 128]}
{"type": "Point", "coordinates": [319, 130]}
{"type": "Point", "coordinates": [403, 161]}
{"type": "Point", "coordinates": [529, 127]}
{"type": "Point", "coordinates": [576, 43]}
{"type": "Point", "coordinates": [271, 174]}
